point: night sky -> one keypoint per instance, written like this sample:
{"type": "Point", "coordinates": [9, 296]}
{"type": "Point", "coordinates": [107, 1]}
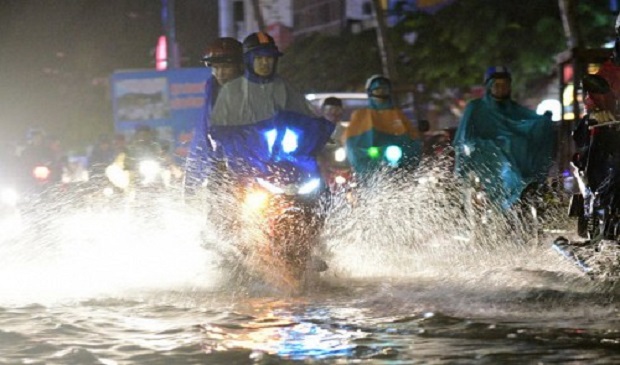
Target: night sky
{"type": "Point", "coordinates": [56, 57]}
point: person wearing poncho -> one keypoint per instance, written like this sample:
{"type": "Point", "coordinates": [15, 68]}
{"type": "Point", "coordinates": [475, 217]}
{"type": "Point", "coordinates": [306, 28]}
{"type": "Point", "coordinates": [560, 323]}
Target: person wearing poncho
{"type": "Point", "coordinates": [373, 130]}
{"type": "Point", "coordinates": [507, 146]}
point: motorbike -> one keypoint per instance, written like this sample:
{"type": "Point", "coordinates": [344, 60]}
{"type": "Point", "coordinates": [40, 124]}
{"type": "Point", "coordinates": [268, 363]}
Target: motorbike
{"type": "Point", "coordinates": [596, 206]}
{"type": "Point", "coordinates": [280, 192]}
{"type": "Point", "coordinates": [287, 209]}
{"type": "Point", "coordinates": [336, 170]}
{"type": "Point", "coordinates": [139, 180]}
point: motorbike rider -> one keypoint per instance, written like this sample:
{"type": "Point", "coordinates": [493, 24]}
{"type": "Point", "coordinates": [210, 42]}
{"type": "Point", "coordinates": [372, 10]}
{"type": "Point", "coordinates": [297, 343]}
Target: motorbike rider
{"type": "Point", "coordinates": [334, 167]}
{"type": "Point", "coordinates": [380, 125]}
{"type": "Point", "coordinates": [143, 146]}
{"type": "Point", "coordinates": [508, 147]}
{"type": "Point", "coordinates": [261, 92]}
{"type": "Point", "coordinates": [225, 58]}
{"type": "Point", "coordinates": [597, 160]}
{"type": "Point", "coordinates": [101, 156]}
{"type": "Point", "coordinates": [332, 110]}
{"type": "Point", "coordinates": [42, 151]}
{"type": "Point", "coordinates": [247, 103]}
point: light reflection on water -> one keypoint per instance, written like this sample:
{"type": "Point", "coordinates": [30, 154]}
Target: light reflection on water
{"type": "Point", "coordinates": [109, 287]}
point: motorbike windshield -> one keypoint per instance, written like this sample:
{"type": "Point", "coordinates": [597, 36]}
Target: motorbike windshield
{"type": "Point", "coordinates": [286, 139]}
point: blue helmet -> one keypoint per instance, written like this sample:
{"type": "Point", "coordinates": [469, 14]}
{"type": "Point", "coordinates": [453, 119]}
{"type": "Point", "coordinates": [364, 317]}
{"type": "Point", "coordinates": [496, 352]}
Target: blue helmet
{"type": "Point", "coordinates": [497, 72]}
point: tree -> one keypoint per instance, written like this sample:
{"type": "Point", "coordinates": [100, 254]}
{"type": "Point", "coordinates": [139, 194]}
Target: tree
{"type": "Point", "coordinates": [452, 47]}
{"type": "Point", "coordinates": [331, 63]}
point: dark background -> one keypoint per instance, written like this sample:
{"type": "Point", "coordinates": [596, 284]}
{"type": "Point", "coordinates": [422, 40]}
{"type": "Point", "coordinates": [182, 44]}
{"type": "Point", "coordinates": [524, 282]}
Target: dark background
{"type": "Point", "coordinates": [56, 57]}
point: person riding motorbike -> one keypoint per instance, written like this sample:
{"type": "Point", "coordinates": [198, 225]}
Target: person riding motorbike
{"type": "Point", "coordinates": [142, 156]}
{"type": "Point", "coordinates": [261, 92]}
{"type": "Point", "coordinates": [381, 132]}
{"type": "Point", "coordinates": [507, 147]}
{"type": "Point", "coordinates": [42, 164]}
{"type": "Point", "coordinates": [333, 163]}
{"type": "Point", "coordinates": [268, 135]}
{"type": "Point", "coordinates": [225, 58]}
{"type": "Point", "coordinates": [597, 161]}
{"type": "Point", "coordinates": [596, 170]}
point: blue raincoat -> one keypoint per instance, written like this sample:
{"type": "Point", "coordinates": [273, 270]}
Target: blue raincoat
{"type": "Point", "coordinates": [286, 139]}
{"type": "Point", "coordinates": [201, 149]}
{"type": "Point", "coordinates": [506, 145]}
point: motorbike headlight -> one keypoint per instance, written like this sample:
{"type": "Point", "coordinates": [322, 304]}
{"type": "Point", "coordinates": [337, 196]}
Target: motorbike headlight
{"type": "Point", "coordinates": [269, 186]}
{"type": "Point", "coordinates": [256, 201]}
{"type": "Point", "coordinates": [393, 154]}
{"type": "Point", "coordinates": [9, 196]}
{"type": "Point", "coordinates": [309, 187]}
{"type": "Point", "coordinates": [149, 169]}
{"type": "Point", "coordinates": [340, 180]}
{"type": "Point", "coordinates": [340, 155]}
{"type": "Point", "coordinates": [41, 172]}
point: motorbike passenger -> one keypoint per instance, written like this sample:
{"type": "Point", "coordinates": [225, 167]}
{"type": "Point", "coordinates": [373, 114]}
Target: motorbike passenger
{"type": "Point", "coordinates": [261, 92]}
{"type": "Point", "coordinates": [256, 97]}
{"type": "Point", "coordinates": [381, 132]}
{"type": "Point", "coordinates": [225, 58]}
{"type": "Point", "coordinates": [506, 146]}
{"type": "Point", "coordinates": [267, 131]}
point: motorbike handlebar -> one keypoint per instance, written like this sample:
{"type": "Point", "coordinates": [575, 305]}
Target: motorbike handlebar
{"type": "Point", "coordinates": [606, 124]}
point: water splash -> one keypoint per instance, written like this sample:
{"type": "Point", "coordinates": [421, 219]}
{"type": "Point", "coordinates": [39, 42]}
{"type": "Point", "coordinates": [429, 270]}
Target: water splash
{"type": "Point", "coordinates": [73, 251]}
{"type": "Point", "coordinates": [404, 224]}
{"type": "Point", "coordinates": [400, 225]}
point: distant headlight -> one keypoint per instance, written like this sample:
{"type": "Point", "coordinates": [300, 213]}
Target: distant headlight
{"type": "Point", "coordinates": [149, 169]}
{"type": "Point", "coordinates": [9, 196]}
{"type": "Point", "coordinates": [340, 155]}
{"type": "Point", "coordinates": [41, 172]}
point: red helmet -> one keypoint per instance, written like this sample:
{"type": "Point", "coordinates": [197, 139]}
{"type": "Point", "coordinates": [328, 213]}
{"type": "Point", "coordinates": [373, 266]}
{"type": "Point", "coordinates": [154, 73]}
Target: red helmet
{"type": "Point", "coordinates": [224, 50]}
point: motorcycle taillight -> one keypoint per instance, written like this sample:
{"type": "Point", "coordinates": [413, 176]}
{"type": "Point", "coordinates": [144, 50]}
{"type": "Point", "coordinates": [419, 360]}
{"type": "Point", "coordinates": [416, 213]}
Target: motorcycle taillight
{"type": "Point", "coordinates": [41, 172]}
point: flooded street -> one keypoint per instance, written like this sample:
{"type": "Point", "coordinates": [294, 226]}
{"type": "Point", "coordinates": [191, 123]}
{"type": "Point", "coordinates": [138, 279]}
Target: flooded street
{"type": "Point", "coordinates": [107, 287]}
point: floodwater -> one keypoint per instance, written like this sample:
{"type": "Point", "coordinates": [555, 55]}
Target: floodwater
{"type": "Point", "coordinates": [407, 284]}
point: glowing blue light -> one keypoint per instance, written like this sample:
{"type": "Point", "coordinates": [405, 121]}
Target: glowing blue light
{"type": "Point", "coordinates": [270, 136]}
{"type": "Point", "coordinates": [393, 154]}
{"type": "Point", "coordinates": [289, 141]}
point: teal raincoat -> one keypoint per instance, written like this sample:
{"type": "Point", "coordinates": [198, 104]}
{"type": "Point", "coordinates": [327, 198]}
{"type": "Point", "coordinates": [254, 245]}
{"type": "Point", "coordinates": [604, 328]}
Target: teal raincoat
{"type": "Point", "coordinates": [506, 145]}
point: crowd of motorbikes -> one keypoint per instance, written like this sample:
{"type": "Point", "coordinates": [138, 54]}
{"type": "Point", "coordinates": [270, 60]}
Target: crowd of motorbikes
{"type": "Point", "coordinates": [282, 196]}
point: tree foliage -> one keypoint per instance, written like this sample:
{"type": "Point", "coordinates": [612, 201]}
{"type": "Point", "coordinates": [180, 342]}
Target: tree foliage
{"type": "Point", "coordinates": [452, 47]}
{"type": "Point", "coordinates": [331, 63]}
